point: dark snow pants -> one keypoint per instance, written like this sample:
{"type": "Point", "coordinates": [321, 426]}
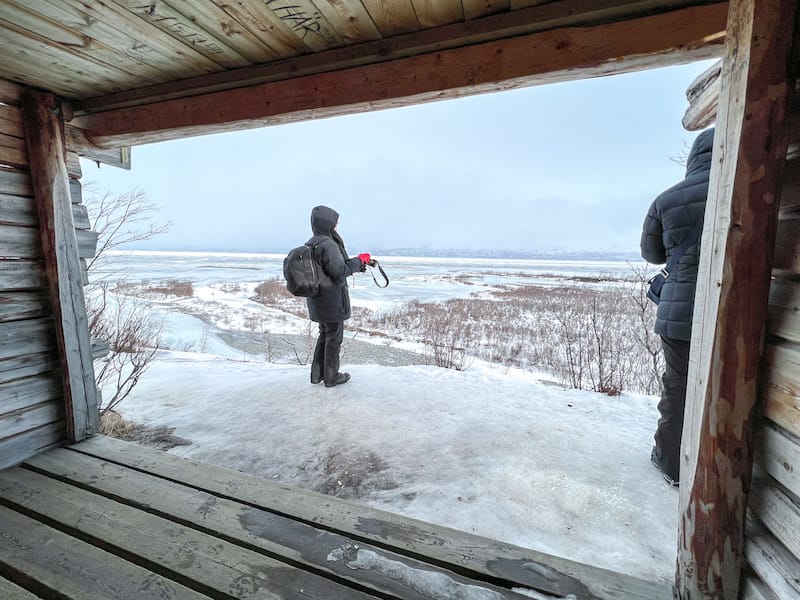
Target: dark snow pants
{"type": "Point", "coordinates": [671, 407]}
{"type": "Point", "coordinates": [325, 364]}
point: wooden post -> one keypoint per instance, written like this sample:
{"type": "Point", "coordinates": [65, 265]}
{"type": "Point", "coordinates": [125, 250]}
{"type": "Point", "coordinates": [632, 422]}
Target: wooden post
{"type": "Point", "coordinates": [732, 290]}
{"type": "Point", "coordinates": [44, 133]}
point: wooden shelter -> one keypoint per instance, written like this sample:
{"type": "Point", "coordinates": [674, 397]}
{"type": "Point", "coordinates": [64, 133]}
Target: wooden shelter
{"type": "Point", "coordinates": [102, 519]}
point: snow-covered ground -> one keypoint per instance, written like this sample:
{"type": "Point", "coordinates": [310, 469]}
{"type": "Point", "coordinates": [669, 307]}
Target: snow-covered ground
{"type": "Point", "coordinates": [499, 452]}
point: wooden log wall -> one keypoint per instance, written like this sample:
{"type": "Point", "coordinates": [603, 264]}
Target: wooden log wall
{"type": "Point", "coordinates": [772, 535]}
{"type": "Point", "coordinates": [31, 391]}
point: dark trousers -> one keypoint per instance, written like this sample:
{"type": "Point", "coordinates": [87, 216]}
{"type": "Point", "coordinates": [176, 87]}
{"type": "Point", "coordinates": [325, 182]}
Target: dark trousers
{"type": "Point", "coordinates": [325, 365]}
{"type": "Point", "coordinates": [671, 407]}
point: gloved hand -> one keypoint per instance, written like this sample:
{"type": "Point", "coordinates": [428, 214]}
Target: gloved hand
{"type": "Point", "coordinates": [364, 258]}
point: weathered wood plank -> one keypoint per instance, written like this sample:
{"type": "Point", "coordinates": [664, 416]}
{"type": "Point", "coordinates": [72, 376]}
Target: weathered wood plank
{"type": "Point", "coordinates": [18, 367]}
{"type": "Point", "coordinates": [780, 389]}
{"type": "Point", "coordinates": [11, 121]}
{"type": "Point", "coordinates": [790, 195]}
{"type": "Point", "coordinates": [44, 133]}
{"type": "Point", "coordinates": [21, 275]}
{"type": "Point", "coordinates": [80, 217]}
{"type": "Point", "coordinates": [434, 13]}
{"type": "Point", "coordinates": [783, 317]}
{"type": "Point", "coordinates": [735, 267]}
{"type": "Point", "coordinates": [15, 182]}
{"type": "Point", "coordinates": [56, 25]}
{"type": "Point", "coordinates": [15, 306]}
{"type": "Point", "coordinates": [115, 157]}
{"type": "Point", "coordinates": [778, 512]}
{"type": "Point", "coordinates": [553, 15]}
{"type": "Point", "coordinates": [100, 348]}
{"type": "Point", "coordinates": [13, 152]}
{"type": "Point", "coordinates": [171, 22]}
{"type": "Point", "coordinates": [17, 210]}
{"type": "Point", "coordinates": [18, 395]}
{"type": "Point", "coordinates": [26, 337]}
{"type": "Point", "coordinates": [138, 53]}
{"type": "Point", "coordinates": [325, 552]}
{"type": "Point", "coordinates": [474, 9]}
{"type": "Point", "coordinates": [266, 26]}
{"type": "Point", "coordinates": [392, 18]}
{"type": "Point", "coordinates": [210, 17]}
{"type": "Point", "coordinates": [754, 589]}
{"type": "Point", "coordinates": [19, 242]}
{"type": "Point", "coordinates": [11, 591]}
{"type": "Point", "coordinates": [29, 419]}
{"type": "Point", "coordinates": [16, 449]}
{"type": "Point", "coordinates": [66, 567]}
{"type": "Point", "coordinates": [222, 568]}
{"type": "Point", "coordinates": [525, 60]}
{"type": "Point", "coordinates": [10, 92]}
{"type": "Point", "coordinates": [779, 456]}
{"type": "Point", "coordinates": [776, 567]}
{"type": "Point", "coordinates": [306, 22]}
{"type": "Point", "coordinates": [150, 43]}
{"type": "Point", "coordinates": [703, 97]}
{"type": "Point", "coordinates": [74, 166]}
{"type": "Point", "coordinates": [350, 20]}
{"type": "Point", "coordinates": [787, 245]}
{"type": "Point", "coordinates": [75, 191]}
{"type": "Point", "coordinates": [494, 560]}
{"type": "Point", "coordinates": [63, 63]}
{"type": "Point", "coordinates": [25, 242]}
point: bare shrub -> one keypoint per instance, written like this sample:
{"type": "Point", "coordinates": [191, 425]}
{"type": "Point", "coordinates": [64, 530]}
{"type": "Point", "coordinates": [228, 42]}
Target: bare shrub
{"type": "Point", "coordinates": [271, 291]}
{"type": "Point", "coordinates": [590, 337]}
{"type": "Point", "coordinates": [133, 337]}
{"type": "Point", "coordinates": [172, 287]}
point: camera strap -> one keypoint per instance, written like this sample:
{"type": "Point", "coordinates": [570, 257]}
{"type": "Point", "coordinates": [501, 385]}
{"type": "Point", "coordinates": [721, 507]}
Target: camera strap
{"type": "Point", "coordinates": [375, 263]}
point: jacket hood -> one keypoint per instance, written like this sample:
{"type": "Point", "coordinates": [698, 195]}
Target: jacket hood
{"type": "Point", "coordinates": [323, 220]}
{"type": "Point", "coordinates": [700, 154]}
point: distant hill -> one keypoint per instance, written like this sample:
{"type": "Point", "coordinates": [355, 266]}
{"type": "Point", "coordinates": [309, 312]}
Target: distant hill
{"type": "Point", "coordinates": [495, 253]}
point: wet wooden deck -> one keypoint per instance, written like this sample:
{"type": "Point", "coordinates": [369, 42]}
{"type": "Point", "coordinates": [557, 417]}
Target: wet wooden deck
{"type": "Point", "coordinates": [110, 519]}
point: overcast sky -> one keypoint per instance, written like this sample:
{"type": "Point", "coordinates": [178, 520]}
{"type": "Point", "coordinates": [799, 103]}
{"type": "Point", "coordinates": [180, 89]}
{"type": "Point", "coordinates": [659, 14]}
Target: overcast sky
{"type": "Point", "coordinates": [570, 166]}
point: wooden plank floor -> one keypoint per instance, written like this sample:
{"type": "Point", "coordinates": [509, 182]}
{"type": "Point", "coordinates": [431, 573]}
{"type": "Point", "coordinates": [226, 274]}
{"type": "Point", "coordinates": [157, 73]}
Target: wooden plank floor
{"type": "Point", "coordinates": [111, 519]}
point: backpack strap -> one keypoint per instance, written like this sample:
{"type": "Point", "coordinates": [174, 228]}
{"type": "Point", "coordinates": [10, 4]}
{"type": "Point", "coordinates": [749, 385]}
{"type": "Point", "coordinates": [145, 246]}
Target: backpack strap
{"type": "Point", "coordinates": [375, 263]}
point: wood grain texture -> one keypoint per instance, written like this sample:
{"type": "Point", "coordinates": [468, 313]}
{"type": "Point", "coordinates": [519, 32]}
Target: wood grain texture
{"type": "Point", "coordinates": [779, 512]}
{"type": "Point", "coordinates": [28, 365]}
{"type": "Point", "coordinates": [11, 121]}
{"type": "Point", "coordinates": [553, 15]}
{"type": "Point", "coordinates": [735, 268]}
{"type": "Point", "coordinates": [434, 13]}
{"type": "Point", "coordinates": [11, 591]}
{"type": "Point", "coordinates": [790, 195]}
{"type": "Point", "coordinates": [22, 394]}
{"type": "Point", "coordinates": [780, 390]}
{"type": "Point", "coordinates": [31, 336]}
{"type": "Point", "coordinates": [66, 567]}
{"type": "Point", "coordinates": [217, 567]}
{"type": "Point", "coordinates": [779, 456]}
{"type": "Point", "coordinates": [44, 133]}
{"type": "Point", "coordinates": [392, 18]}
{"type": "Point", "coordinates": [16, 306]}
{"type": "Point", "coordinates": [495, 560]}
{"type": "Point", "coordinates": [16, 182]}
{"type": "Point", "coordinates": [787, 245]}
{"type": "Point", "coordinates": [783, 316]}
{"type": "Point", "coordinates": [22, 275]}
{"type": "Point", "coordinates": [15, 449]}
{"type": "Point", "coordinates": [10, 92]}
{"type": "Point", "coordinates": [755, 589]}
{"type": "Point", "coordinates": [774, 564]}
{"type": "Point", "coordinates": [350, 20]}
{"type": "Point", "coordinates": [474, 9]}
{"type": "Point", "coordinates": [526, 60]}
{"type": "Point", "coordinates": [331, 554]}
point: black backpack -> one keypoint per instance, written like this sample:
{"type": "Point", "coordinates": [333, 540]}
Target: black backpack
{"type": "Point", "coordinates": [301, 271]}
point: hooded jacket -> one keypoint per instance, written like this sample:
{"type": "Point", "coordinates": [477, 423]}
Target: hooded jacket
{"type": "Point", "coordinates": [333, 302]}
{"type": "Point", "coordinates": [671, 217]}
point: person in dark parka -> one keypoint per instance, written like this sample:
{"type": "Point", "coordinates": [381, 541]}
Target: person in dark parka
{"type": "Point", "coordinates": [672, 216]}
{"type": "Point", "coordinates": [331, 308]}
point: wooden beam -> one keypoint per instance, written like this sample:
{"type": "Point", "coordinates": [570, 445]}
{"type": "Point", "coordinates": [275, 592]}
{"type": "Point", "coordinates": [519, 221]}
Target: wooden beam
{"type": "Point", "coordinates": [703, 96]}
{"type": "Point", "coordinates": [45, 136]}
{"type": "Point", "coordinates": [115, 157]}
{"type": "Point", "coordinates": [546, 57]}
{"type": "Point", "coordinates": [734, 273]}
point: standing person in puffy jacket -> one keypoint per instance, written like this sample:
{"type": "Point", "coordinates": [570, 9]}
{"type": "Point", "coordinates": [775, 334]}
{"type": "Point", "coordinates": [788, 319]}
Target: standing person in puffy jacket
{"type": "Point", "coordinates": [671, 217]}
{"type": "Point", "coordinates": [331, 308]}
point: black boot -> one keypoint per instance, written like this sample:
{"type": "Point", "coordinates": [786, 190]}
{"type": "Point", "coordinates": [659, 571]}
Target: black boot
{"type": "Point", "coordinates": [338, 380]}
